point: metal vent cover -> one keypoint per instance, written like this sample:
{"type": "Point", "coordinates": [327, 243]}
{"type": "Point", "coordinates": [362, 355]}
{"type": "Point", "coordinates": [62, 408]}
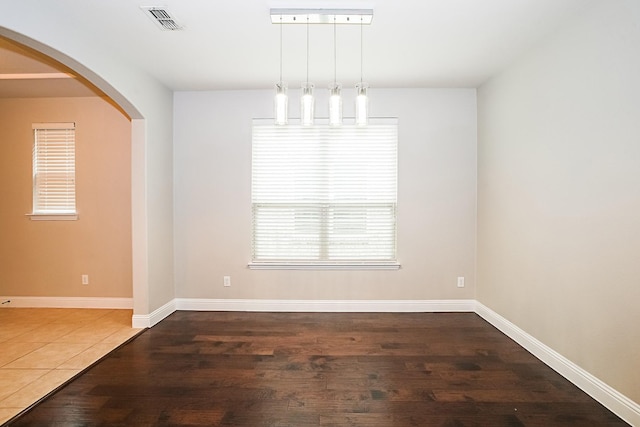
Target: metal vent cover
{"type": "Point", "coordinates": [162, 17]}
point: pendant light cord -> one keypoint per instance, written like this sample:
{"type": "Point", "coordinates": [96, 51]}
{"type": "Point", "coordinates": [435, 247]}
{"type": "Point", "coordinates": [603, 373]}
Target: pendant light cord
{"type": "Point", "coordinates": [307, 50]}
{"type": "Point", "coordinates": [280, 50]}
{"type": "Point", "coordinates": [361, 45]}
{"type": "Point", "coordinates": [335, 55]}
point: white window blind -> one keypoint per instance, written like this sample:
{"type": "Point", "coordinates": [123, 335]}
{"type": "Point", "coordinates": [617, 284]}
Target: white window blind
{"type": "Point", "coordinates": [54, 165]}
{"type": "Point", "coordinates": [324, 194]}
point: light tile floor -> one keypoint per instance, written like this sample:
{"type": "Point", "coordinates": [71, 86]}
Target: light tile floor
{"type": "Point", "coordinates": [41, 348]}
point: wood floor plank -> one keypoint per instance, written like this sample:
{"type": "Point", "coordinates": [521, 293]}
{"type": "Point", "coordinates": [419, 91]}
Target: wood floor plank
{"type": "Point", "coordinates": [320, 369]}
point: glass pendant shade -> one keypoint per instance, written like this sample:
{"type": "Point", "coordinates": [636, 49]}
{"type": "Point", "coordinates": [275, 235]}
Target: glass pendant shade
{"type": "Point", "coordinates": [362, 104]}
{"type": "Point", "coordinates": [281, 104]}
{"type": "Point", "coordinates": [307, 104]}
{"type": "Point", "coordinates": [335, 105]}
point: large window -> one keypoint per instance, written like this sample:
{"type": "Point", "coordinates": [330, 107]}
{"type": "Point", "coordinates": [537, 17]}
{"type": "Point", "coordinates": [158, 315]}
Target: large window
{"type": "Point", "coordinates": [54, 186]}
{"type": "Point", "coordinates": [324, 195]}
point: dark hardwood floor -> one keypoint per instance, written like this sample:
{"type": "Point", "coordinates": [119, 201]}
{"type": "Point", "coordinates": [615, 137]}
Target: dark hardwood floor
{"type": "Point", "coordinates": [320, 369]}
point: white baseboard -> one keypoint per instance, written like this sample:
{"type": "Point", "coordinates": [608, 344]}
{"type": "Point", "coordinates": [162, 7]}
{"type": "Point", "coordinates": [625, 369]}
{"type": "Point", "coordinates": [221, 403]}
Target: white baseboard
{"type": "Point", "coordinates": [615, 401]}
{"type": "Point", "coordinates": [344, 306]}
{"type": "Point", "coordinates": [149, 320]}
{"type": "Point", "coordinates": [67, 302]}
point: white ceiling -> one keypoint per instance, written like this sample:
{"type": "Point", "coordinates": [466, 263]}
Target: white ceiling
{"type": "Point", "coordinates": [233, 45]}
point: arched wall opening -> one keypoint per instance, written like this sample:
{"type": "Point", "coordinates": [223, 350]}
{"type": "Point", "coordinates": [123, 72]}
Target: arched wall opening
{"type": "Point", "coordinates": [95, 79]}
{"type": "Point", "coordinates": [139, 164]}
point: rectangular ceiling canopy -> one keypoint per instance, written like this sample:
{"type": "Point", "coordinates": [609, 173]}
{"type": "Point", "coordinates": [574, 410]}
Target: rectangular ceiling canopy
{"type": "Point", "coordinates": [321, 16]}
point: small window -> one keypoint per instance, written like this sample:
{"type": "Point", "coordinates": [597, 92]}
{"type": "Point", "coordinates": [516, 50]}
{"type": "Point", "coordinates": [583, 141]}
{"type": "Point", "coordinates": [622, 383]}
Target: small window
{"type": "Point", "coordinates": [54, 171]}
{"type": "Point", "coordinates": [324, 195]}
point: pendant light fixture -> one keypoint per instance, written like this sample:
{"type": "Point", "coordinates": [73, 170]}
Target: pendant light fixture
{"type": "Point", "coordinates": [307, 101]}
{"type": "Point", "coordinates": [335, 97]}
{"type": "Point", "coordinates": [362, 100]}
{"type": "Point", "coordinates": [281, 99]}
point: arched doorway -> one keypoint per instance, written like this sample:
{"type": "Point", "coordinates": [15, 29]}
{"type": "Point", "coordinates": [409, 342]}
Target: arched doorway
{"type": "Point", "coordinates": [137, 185]}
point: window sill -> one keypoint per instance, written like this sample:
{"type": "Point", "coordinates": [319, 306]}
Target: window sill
{"type": "Point", "coordinates": [365, 265]}
{"type": "Point", "coordinates": [53, 217]}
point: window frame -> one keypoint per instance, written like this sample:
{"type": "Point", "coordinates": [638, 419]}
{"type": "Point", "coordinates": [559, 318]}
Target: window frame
{"type": "Point", "coordinates": [331, 264]}
{"type": "Point", "coordinates": [53, 214]}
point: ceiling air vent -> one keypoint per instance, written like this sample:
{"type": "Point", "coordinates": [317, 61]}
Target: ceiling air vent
{"type": "Point", "coordinates": [163, 19]}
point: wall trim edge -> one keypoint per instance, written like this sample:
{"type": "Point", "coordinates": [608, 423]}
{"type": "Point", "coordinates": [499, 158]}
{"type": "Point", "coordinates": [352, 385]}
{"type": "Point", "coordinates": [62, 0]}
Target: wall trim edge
{"type": "Point", "coordinates": [609, 397]}
{"type": "Point", "coordinates": [68, 302]}
{"type": "Point", "coordinates": [345, 306]}
{"type": "Point", "coordinates": [152, 319]}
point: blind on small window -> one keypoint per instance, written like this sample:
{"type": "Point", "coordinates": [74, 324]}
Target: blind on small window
{"type": "Point", "coordinates": [324, 194]}
{"type": "Point", "coordinates": [54, 165]}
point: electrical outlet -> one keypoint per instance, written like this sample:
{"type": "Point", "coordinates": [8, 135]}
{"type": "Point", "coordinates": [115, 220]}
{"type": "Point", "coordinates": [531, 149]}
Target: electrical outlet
{"type": "Point", "coordinates": [85, 279]}
{"type": "Point", "coordinates": [226, 280]}
{"type": "Point", "coordinates": [461, 282]}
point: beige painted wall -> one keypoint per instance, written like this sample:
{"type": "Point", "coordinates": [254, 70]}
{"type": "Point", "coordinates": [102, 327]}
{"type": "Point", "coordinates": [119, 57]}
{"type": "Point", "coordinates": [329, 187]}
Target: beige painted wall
{"type": "Point", "coordinates": [150, 104]}
{"type": "Point", "coordinates": [47, 258]}
{"type": "Point", "coordinates": [559, 193]}
{"type": "Point", "coordinates": [436, 198]}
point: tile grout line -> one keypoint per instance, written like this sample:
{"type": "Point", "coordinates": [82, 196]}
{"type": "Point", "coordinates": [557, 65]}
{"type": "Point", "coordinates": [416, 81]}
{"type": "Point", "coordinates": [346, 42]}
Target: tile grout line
{"type": "Point", "coordinates": [77, 319]}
